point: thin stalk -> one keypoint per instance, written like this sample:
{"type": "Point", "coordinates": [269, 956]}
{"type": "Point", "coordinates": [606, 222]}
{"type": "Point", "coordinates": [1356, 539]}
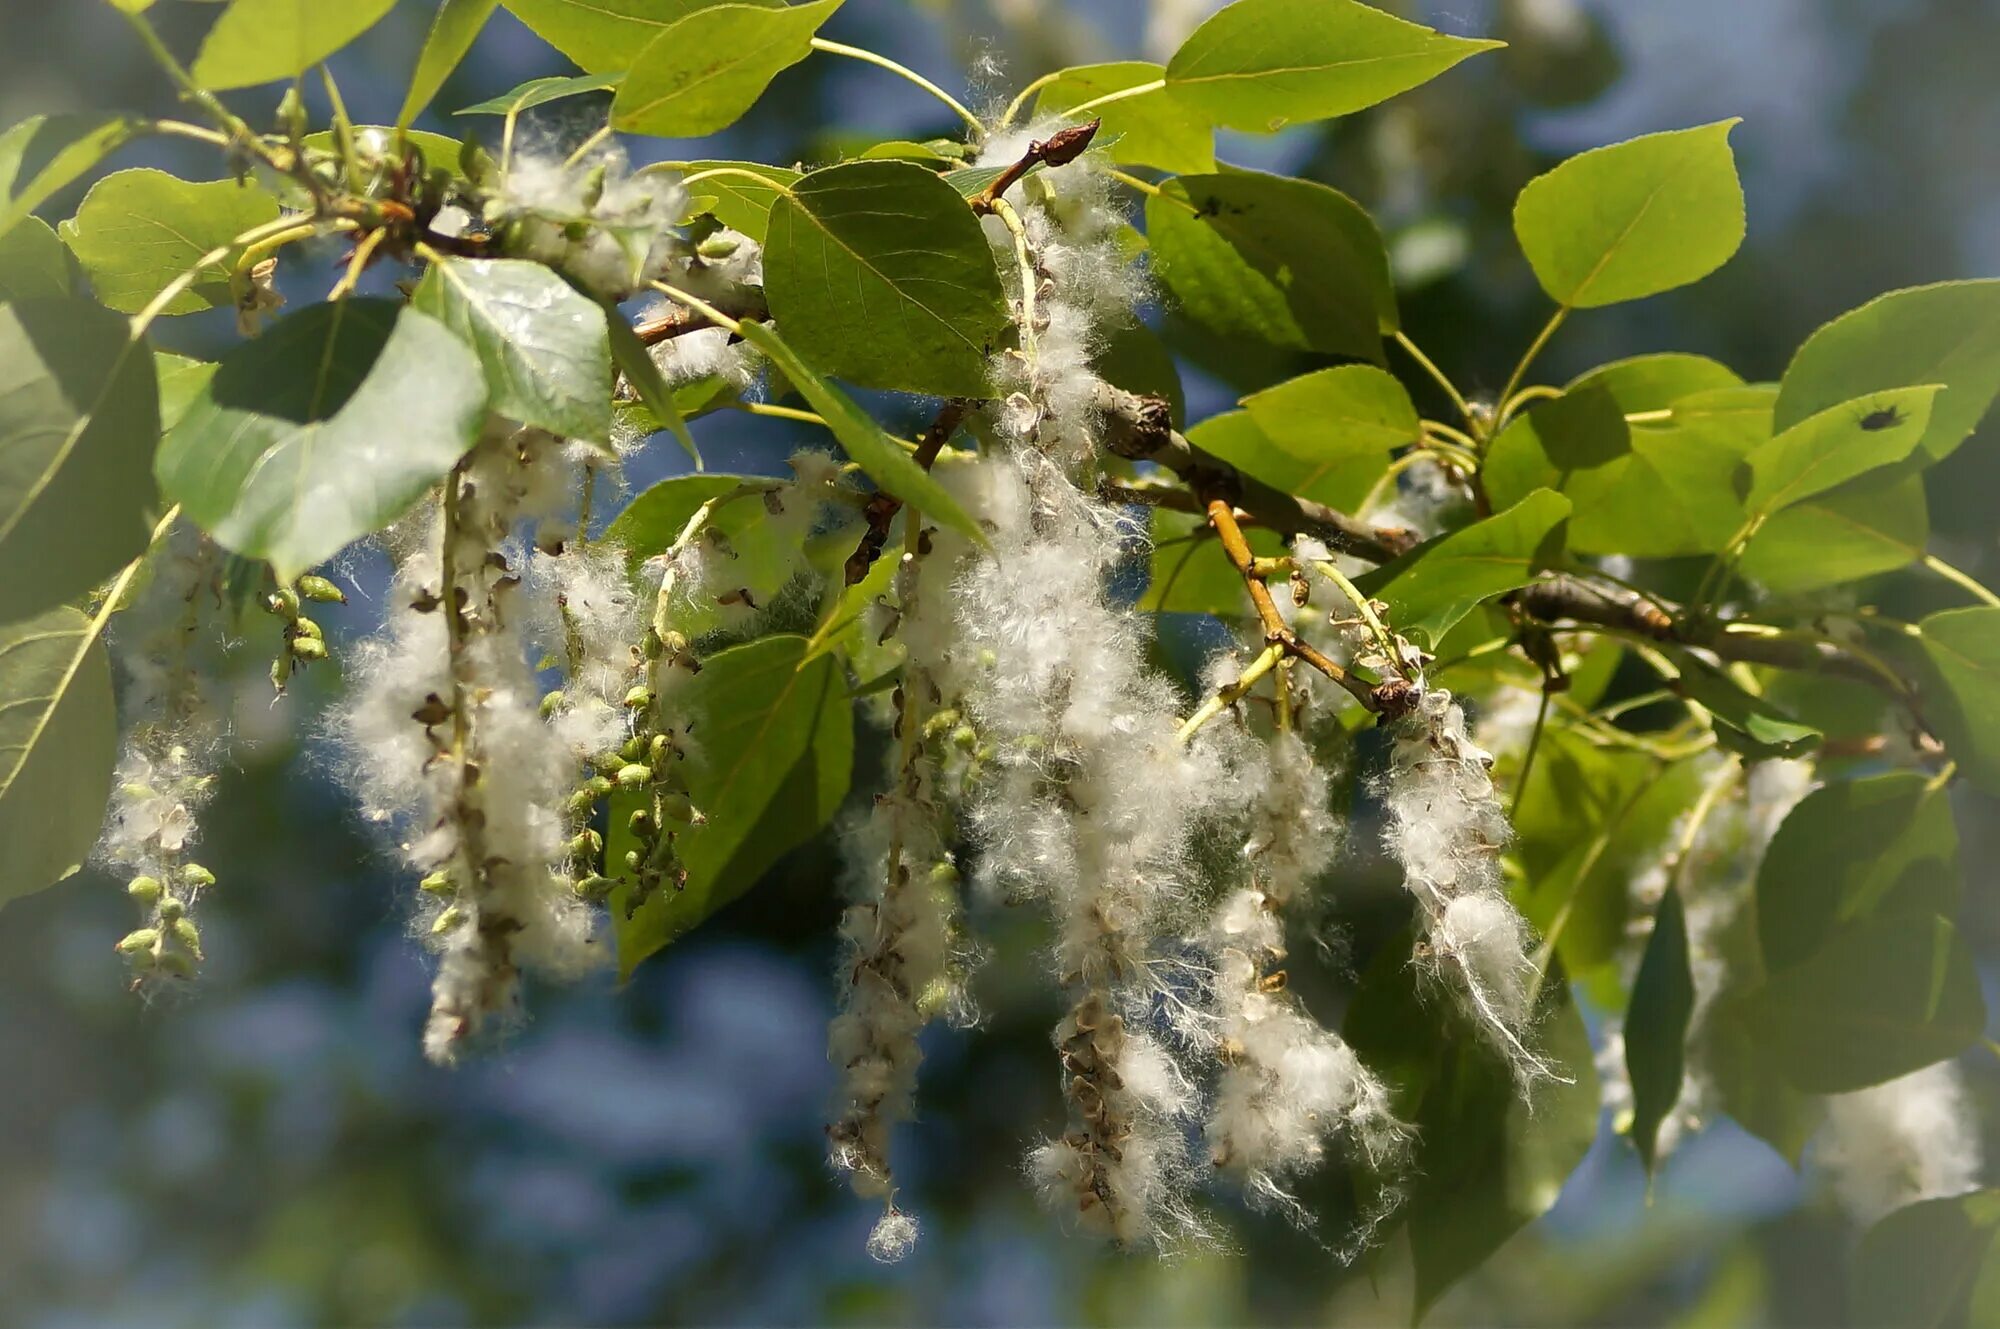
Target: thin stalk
{"type": "Point", "coordinates": [1366, 609]}
{"type": "Point", "coordinates": [1021, 98]}
{"type": "Point", "coordinates": [1025, 259]}
{"type": "Point", "coordinates": [583, 148]}
{"type": "Point", "coordinates": [1528, 759]}
{"type": "Point", "coordinates": [700, 306]}
{"type": "Point", "coordinates": [1963, 580]}
{"type": "Point", "coordinates": [1442, 379]}
{"type": "Point", "coordinates": [1111, 98]}
{"type": "Point", "coordinates": [358, 263]}
{"type": "Point", "coordinates": [904, 72]}
{"type": "Point", "coordinates": [207, 100]}
{"type": "Point", "coordinates": [1527, 359]}
{"type": "Point", "coordinates": [1143, 186]}
{"type": "Point", "coordinates": [1231, 693]}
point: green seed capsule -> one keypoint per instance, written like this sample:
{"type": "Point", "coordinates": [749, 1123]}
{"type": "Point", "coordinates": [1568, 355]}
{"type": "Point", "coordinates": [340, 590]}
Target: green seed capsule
{"type": "Point", "coordinates": [175, 963]}
{"type": "Point", "coordinates": [633, 860]}
{"type": "Point", "coordinates": [305, 627]}
{"type": "Point", "coordinates": [197, 876]}
{"type": "Point", "coordinates": [595, 887]}
{"type": "Point", "coordinates": [187, 935]}
{"type": "Point", "coordinates": [308, 649]}
{"type": "Point", "coordinates": [322, 590]}
{"type": "Point", "coordinates": [447, 920]}
{"type": "Point", "coordinates": [142, 939]}
{"type": "Point", "coordinates": [677, 806]}
{"type": "Point", "coordinates": [639, 697]}
{"type": "Point", "coordinates": [143, 889]}
{"type": "Point", "coordinates": [607, 763]}
{"type": "Point", "coordinates": [281, 672]}
{"type": "Point", "coordinates": [717, 246]}
{"type": "Point", "coordinates": [438, 883]}
{"type": "Point", "coordinates": [552, 703]}
{"type": "Point", "coordinates": [641, 822]}
{"type": "Point", "coordinates": [172, 908]}
{"type": "Point", "coordinates": [587, 844]}
{"type": "Point", "coordinates": [658, 750]}
{"type": "Point", "coordinates": [635, 776]}
{"type": "Point", "coordinates": [965, 738]}
{"type": "Point", "coordinates": [138, 791]}
{"type": "Point", "coordinates": [633, 750]}
{"type": "Point", "coordinates": [284, 602]}
{"type": "Point", "coordinates": [581, 802]}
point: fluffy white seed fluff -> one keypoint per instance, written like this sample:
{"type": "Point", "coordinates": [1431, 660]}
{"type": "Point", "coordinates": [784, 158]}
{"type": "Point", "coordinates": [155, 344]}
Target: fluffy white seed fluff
{"type": "Point", "coordinates": [1447, 828]}
{"type": "Point", "coordinates": [1914, 1138]}
{"type": "Point", "coordinates": [596, 220]}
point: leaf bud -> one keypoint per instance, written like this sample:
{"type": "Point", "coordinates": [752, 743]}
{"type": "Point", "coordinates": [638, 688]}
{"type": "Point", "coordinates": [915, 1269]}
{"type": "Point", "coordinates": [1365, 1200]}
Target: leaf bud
{"type": "Point", "coordinates": [143, 889]}
{"type": "Point", "coordinates": [322, 590]}
{"type": "Point", "coordinates": [635, 776]}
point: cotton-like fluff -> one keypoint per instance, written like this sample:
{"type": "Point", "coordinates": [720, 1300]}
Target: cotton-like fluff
{"type": "Point", "coordinates": [900, 962]}
{"type": "Point", "coordinates": [174, 742]}
{"type": "Point", "coordinates": [1447, 829]}
{"type": "Point", "coordinates": [594, 219]}
{"type": "Point", "coordinates": [1290, 1087]}
{"type": "Point", "coordinates": [445, 742]}
{"type": "Point", "coordinates": [1914, 1138]}
{"type": "Point", "coordinates": [1088, 803]}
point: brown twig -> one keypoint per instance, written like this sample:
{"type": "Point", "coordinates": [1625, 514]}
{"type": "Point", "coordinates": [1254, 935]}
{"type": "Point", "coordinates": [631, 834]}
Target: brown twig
{"type": "Point", "coordinates": [1058, 149]}
{"type": "Point", "coordinates": [1140, 429]}
{"type": "Point", "coordinates": [882, 507]}
{"type": "Point", "coordinates": [1381, 699]}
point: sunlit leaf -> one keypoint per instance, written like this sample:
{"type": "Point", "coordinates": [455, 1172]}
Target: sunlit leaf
{"type": "Point", "coordinates": [58, 739]}
{"type": "Point", "coordinates": [603, 35]}
{"type": "Point", "coordinates": [1963, 647]}
{"type": "Point", "coordinates": [540, 92]}
{"type": "Point", "coordinates": [457, 25]}
{"type": "Point", "coordinates": [737, 202]}
{"type": "Point", "coordinates": [704, 71]}
{"type": "Point", "coordinates": [1154, 128]}
{"type": "Point", "coordinates": [138, 231]}
{"type": "Point", "coordinates": [544, 346]}
{"type": "Point", "coordinates": [262, 41]}
{"type": "Point", "coordinates": [1826, 450]}
{"type": "Point", "coordinates": [1437, 583]}
{"type": "Point", "coordinates": [45, 152]}
{"type": "Point", "coordinates": [1866, 527]}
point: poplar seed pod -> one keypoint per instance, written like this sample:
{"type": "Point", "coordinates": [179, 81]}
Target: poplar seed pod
{"type": "Point", "coordinates": [321, 590]}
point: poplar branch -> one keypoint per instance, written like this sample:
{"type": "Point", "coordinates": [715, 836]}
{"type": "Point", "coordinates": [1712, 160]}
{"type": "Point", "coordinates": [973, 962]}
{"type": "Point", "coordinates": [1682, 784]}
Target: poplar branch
{"type": "Point", "coordinates": [1140, 429]}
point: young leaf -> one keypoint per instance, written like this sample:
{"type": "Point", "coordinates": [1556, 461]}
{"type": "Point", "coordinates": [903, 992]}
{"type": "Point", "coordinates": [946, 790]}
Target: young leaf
{"type": "Point", "coordinates": [43, 153]}
{"type": "Point", "coordinates": [544, 346]}
{"type": "Point", "coordinates": [1336, 415]}
{"type": "Point", "coordinates": [1437, 583]}
{"type": "Point", "coordinates": [58, 741]}
{"type": "Point", "coordinates": [137, 231]}
{"type": "Point", "coordinates": [1866, 527]}
{"type": "Point", "coordinates": [636, 363]}
{"type": "Point", "coordinates": [1948, 333]}
{"type": "Point", "coordinates": [775, 754]}
{"type": "Point", "coordinates": [1634, 219]}
{"type": "Point", "coordinates": [879, 274]}
{"type": "Point", "coordinates": [33, 263]}
{"type": "Point", "coordinates": [1285, 261]}
{"type": "Point", "coordinates": [540, 92]}
{"type": "Point", "coordinates": [704, 71]}
{"type": "Point", "coordinates": [1934, 1263]}
{"type": "Point", "coordinates": [1744, 723]}
{"type": "Point", "coordinates": [1963, 647]}
{"type": "Point", "coordinates": [1850, 852]}
{"type": "Point", "coordinates": [1154, 129]}
{"type": "Point", "coordinates": [1841, 442]}
{"type": "Point", "coordinates": [262, 41]}
{"type": "Point", "coordinates": [876, 453]}
{"type": "Point", "coordinates": [603, 35]}
{"type": "Point", "coordinates": [457, 25]}
{"type": "Point", "coordinates": [1263, 64]}
{"type": "Point", "coordinates": [1656, 1025]}
{"type": "Point", "coordinates": [1879, 999]}
{"type": "Point", "coordinates": [79, 417]}
{"type": "Point", "coordinates": [323, 430]}
{"type": "Point", "coordinates": [738, 203]}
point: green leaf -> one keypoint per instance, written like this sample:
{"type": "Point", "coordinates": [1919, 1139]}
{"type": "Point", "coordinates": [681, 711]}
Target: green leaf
{"type": "Point", "coordinates": [1828, 449]}
{"type": "Point", "coordinates": [603, 35]}
{"type": "Point", "coordinates": [1656, 1025]}
{"type": "Point", "coordinates": [545, 347]}
{"type": "Point", "coordinates": [1263, 64]}
{"type": "Point", "coordinates": [1340, 481]}
{"type": "Point", "coordinates": [704, 71]}
{"type": "Point", "coordinates": [1948, 333]}
{"type": "Point", "coordinates": [43, 153]}
{"type": "Point", "coordinates": [1633, 219]}
{"type": "Point", "coordinates": [1744, 723]}
{"type": "Point", "coordinates": [879, 274]}
{"type": "Point", "coordinates": [58, 741]}
{"type": "Point", "coordinates": [1437, 583]}
{"type": "Point", "coordinates": [760, 560]}
{"type": "Point", "coordinates": [770, 766]}
{"type": "Point", "coordinates": [262, 41]}
{"type": "Point", "coordinates": [138, 231]}
{"type": "Point", "coordinates": [79, 417]}
{"type": "Point", "coordinates": [643, 373]}
{"type": "Point", "coordinates": [541, 91]}
{"type": "Point", "coordinates": [1334, 416]}
{"type": "Point", "coordinates": [181, 381]}
{"type": "Point", "coordinates": [1866, 527]}
{"type": "Point", "coordinates": [1931, 1264]}
{"type": "Point", "coordinates": [886, 463]}
{"type": "Point", "coordinates": [457, 25]}
{"type": "Point", "coordinates": [1963, 692]}
{"type": "Point", "coordinates": [1851, 852]}
{"type": "Point", "coordinates": [1285, 261]}
{"type": "Point", "coordinates": [33, 263]}
{"type": "Point", "coordinates": [323, 430]}
{"type": "Point", "coordinates": [741, 204]}
{"type": "Point", "coordinates": [1877, 1000]}
{"type": "Point", "coordinates": [1748, 1083]}
{"type": "Point", "coordinates": [1154, 129]}
{"type": "Point", "coordinates": [1487, 1161]}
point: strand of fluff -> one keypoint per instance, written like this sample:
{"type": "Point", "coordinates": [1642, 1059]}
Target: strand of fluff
{"type": "Point", "coordinates": [1447, 829]}
{"type": "Point", "coordinates": [1289, 1087]}
{"type": "Point", "coordinates": [1088, 804]}
{"type": "Point", "coordinates": [1913, 1138]}
{"type": "Point", "coordinates": [173, 744]}
{"type": "Point", "coordinates": [444, 740]}
{"type": "Point", "coordinates": [899, 964]}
